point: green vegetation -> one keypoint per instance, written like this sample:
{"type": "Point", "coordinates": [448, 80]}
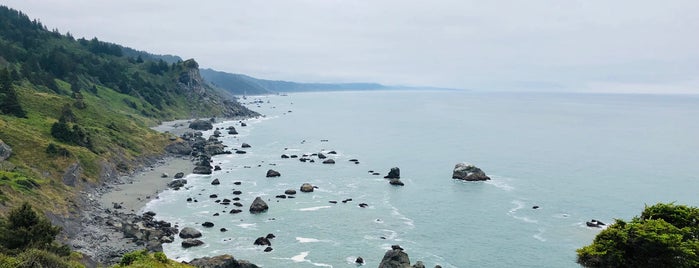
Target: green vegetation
{"type": "Point", "coordinates": [27, 240]}
{"type": "Point", "coordinates": [142, 259]}
{"type": "Point", "coordinates": [87, 102]}
{"type": "Point", "coordinates": [665, 235]}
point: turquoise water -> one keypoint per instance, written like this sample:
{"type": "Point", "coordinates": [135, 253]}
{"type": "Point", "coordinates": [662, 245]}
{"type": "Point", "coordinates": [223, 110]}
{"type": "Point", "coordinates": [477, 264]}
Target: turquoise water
{"type": "Point", "coordinates": [576, 156]}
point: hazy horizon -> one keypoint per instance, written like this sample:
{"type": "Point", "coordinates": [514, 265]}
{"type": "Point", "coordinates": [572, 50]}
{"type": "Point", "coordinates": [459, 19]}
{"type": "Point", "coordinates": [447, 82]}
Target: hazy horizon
{"type": "Point", "coordinates": [573, 46]}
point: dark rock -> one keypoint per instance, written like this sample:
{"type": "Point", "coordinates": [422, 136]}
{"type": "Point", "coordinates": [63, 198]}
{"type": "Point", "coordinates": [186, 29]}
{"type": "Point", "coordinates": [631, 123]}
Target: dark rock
{"type": "Point", "coordinates": [262, 241]}
{"type": "Point", "coordinates": [217, 168]}
{"type": "Point", "coordinates": [290, 192]}
{"type": "Point", "coordinates": [347, 200]}
{"type": "Point", "coordinates": [223, 230]}
{"type": "Point", "coordinates": [232, 131]}
{"type": "Point", "coordinates": [179, 175]}
{"type": "Point", "coordinates": [154, 246]}
{"type": "Point", "coordinates": [208, 224]}
{"type": "Point", "coordinates": [468, 172]}
{"type": "Point", "coordinates": [236, 198]}
{"type": "Point", "coordinates": [204, 170]}
{"type": "Point", "coordinates": [258, 206]}
{"type": "Point", "coordinates": [201, 125]}
{"type": "Point", "coordinates": [245, 145]}
{"type": "Point", "coordinates": [535, 207]}
{"type": "Point", "coordinates": [395, 258]}
{"type": "Point", "coordinates": [306, 188]}
{"type": "Point", "coordinates": [268, 249]}
{"type": "Point", "coordinates": [332, 152]}
{"type": "Point", "coordinates": [176, 184]}
{"type": "Point", "coordinates": [273, 173]}
{"type": "Point", "coordinates": [236, 192]}
{"type": "Point", "coordinates": [418, 264]}
{"type": "Point", "coordinates": [393, 174]}
{"type": "Point", "coordinates": [240, 152]}
{"type": "Point", "coordinates": [235, 211]}
{"type": "Point", "coordinates": [281, 196]}
{"type": "Point", "coordinates": [164, 175]}
{"type": "Point", "coordinates": [354, 160]}
{"type": "Point", "coordinates": [242, 124]}
{"type": "Point", "coordinates": [223, 261]}
{"type": "Point", "coordinates": [237, 204]}
{"type": "Point", "coordinates": [216, 214]}
{"type": "Point", "coordinates": [329, 161]}
{"type": "Point", "coordinates": [188, 243]}
{"type": "Point", "coordinates": [189, 199]}
{"type": "Point", "coordinates": [363, 205]}
{"type": "Point", "coordinates": [359, 260]}
{"type": "Point", "coordinates": [294, 156]}
{"type": "Point", "coordinates": [189, 232]}
{"type": "Point", "coordinates": [395, 247]}
{"type": "Point", "coordinates": [179, 148]}
{"type": "Point", "coordinates": [332, 202]}
{"type": "Point", "coordinates": [237, 183]}
{"type": "Point", "coordinates": [213, 196]}
{"type": "Point", "coordinates": [215, 182]}
{"type": "Point", "coordinates": [270, 236]}
{"type": "Point", "coordinates": [321, 156]}
{"type": "Point", "coordinates": [285, 156]}
{"type": "Point", "coordinates": [376, 174]}
{"type": "Point", "coordinates": [396, 182]}
{"type": "Point", "coordinates": [217, 133]}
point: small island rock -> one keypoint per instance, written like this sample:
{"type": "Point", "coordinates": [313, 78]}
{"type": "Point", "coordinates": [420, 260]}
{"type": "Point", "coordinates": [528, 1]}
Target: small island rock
{"type": "Point", "coordinates": [258, 206]}
{"type": "Point", "coordinates": [468, 172]}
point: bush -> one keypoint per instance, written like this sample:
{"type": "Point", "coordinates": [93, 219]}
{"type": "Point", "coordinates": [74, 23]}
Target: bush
{"type": "Point", "coordinates": [131, 257]}
{"type": "Point", "coordinates": [23, 229]}
{"type": "Point", "coordinates": [159, 256]}
{"type": "Point", "coordinates": [56, 150]}
{"type": "Point", "coordinates": [665, 235]}
{"type": "Point", "coordinates": [39, 258]}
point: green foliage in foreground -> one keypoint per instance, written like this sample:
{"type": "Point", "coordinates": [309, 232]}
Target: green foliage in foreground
{"type": "Point", "coordinates": [665, 235]}
{"type": "Point", "coordinates": [27, 240]}
{"type": "Point", "coordinates": [141, 259]}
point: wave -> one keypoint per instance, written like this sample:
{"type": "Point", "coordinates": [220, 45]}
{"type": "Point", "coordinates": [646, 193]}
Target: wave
{"type": "Point", "coordinates": [247, 225]}
{"type": "Point", "coordinates": [538, 235]}
{"type": "Point", "coordinates": [313, 208]}
{"type": "Point", "coordinates": [500, 183]}
{"type": "Point", "coordinates": [301, 257]}
{"type": "Point", "coordinates": [307, 240]}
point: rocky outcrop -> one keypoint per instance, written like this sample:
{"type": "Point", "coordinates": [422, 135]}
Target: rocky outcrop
{"type": "Point", "coordinates": [306, 188]}
{"type": "Point", "coordinates": [468, 172]}
{"type": "Point", "coordinates": [5, 151]}
{"type": "Point", "coordinates": [395, 258]}
{"type": "Point", "coordinates": [189, 242]}
{"type": "Point", "coordinates": [201, 125]}
{"type": "Point", "coordinates": [222, 261]}
{"type": "Point", "coordinates": [189, 232]}
{"type": "Point", "coordinates": [273, 173]}
{"type": "Point", "coordinates": [177, 184]}
{"type": "Point", "coordinates": [258, 206]}
{"type": "Point", "coordinates": [72, 174]}
{"type": "Point", "coordinates": [262, 241]}
{"type": "Point", "coordinates": [394, 173]}
{"type": "Point", "coordinates": [179, 148]}
{"type": "Point", "coordinates": [203, 165]}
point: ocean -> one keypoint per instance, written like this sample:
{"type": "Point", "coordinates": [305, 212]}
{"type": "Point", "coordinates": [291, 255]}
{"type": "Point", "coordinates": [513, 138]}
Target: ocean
{"type": "Point", "coordinates": [576, 156]}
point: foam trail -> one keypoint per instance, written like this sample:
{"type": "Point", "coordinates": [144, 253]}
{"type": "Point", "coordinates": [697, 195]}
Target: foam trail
{"type": "Point", "coordinates": [313, 208]}
{"type": "Point", "coordinates": [307, 240]}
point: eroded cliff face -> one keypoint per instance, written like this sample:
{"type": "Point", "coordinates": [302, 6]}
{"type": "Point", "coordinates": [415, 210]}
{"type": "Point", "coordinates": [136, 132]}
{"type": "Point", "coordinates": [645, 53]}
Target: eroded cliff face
{"type": "Point", "coordinates": [201, 96]}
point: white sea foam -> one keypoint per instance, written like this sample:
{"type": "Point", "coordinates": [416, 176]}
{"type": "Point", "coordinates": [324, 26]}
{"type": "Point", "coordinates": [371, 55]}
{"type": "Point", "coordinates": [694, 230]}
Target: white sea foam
{"type": "Point", "coordinates": [500, 183]}
{"type": "Point", "coordinates": [518, 205]}
{"type": "Point", "coordinates": [247, 225]}
{"type": "Point", "coordinates": [301, 257]}
{"type": "Point", "coordinates": [313, 208]}
{"type": "Point", "coordinates": [307, 240]}
{"type": "Point", "coordinates": [539, 236]}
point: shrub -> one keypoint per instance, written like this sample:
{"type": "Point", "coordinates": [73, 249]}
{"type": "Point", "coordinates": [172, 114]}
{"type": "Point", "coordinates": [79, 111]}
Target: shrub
{"type": "Point", "coordinates": [131, 257]}
{"type": "Point", "coordinates": [159, 256]}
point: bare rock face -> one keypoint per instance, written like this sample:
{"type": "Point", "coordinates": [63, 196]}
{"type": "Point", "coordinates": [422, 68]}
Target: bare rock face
{"type": "Point", "coordinates": [395, 258]}
{"type": "Point", "coordinates": [72, 174]}
{"type": "Point", "coordinates": [468, 172]}
{"type": "Point", "coordinates": [5, 151]}
{"type": "Point", "coordinates": [258, 206]}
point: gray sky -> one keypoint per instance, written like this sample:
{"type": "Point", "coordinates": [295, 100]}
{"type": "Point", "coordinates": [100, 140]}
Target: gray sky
{"type": "Point", "coordinates": [537, 45]}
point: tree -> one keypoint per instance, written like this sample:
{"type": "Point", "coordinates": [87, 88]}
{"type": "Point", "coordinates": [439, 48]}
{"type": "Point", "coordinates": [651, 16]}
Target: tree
{"type": "Point", "coordinates": [9, 104]}
{"type": "Point", "coordinates": [665, 235]}
{"type": "Point", "coordinates": [23, 229]}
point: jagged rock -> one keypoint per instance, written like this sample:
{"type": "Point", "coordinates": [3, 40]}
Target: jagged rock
{"type": "Point", "coordinates": [262, 241]}
{"type": "Point", "coordinates": [215, 182]}
{"type": "Point", "coordinates": [329, 161]}
{"type": "Point", "coordinates": [217, 168]}
{"type": "Point", "coordinates": [393, 174]}
{"type": "Point", "coordinates": [222, 261]}
{"type": "Point", "coordinates": [179, 148]}
{"type": "Point", "coordinates": [290, 192]}
{"type": "Point", "coordinates": [176, 184]}
{"type": "Point", "coordinates": [189, 232]}
{"type": "Point", "coordinates": [72, 174]}
{"type": "Point", "coordinates": [468, 172]}
{"type": "Point", "coordinates": [189, 242]}
{"type": "Point", "coordinates": [201, 125]}
{"type": "Point", "coordinates": [395, 258]}
{"type": "Point", "coordinates": [215, 149]}
{"type": "Point", "coordinates": [418, 264]}
{"type": "Point", "coordinates": [306, 188]}
{"type": "Point", "coordinates": [245, 145]}
{"type": "Point", "coordinates": [179, 175]}
{"type": "Point", "coordinates": [258, 206]}
{"type": "Point", "coordinates": [208, 224]}
{"type": "Point", "coordinates": [321, 156]}
{"type": "Point", "coordinates": [273, 173]}
{"type": "Point", "coordinates": [5, 151]}
{"type": "Point", "coordinates": [359, 260]}
{"type": "Point", "coordinates": [268, 249]}
{"type": "Point", "coordinates": [270, 236]}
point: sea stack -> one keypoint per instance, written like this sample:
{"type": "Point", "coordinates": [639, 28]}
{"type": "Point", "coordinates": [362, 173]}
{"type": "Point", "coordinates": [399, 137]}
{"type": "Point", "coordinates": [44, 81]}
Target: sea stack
{"type": "Point", "coordinates": [468, 172]}
{"type": "Point", "coordinates": [258, 206]}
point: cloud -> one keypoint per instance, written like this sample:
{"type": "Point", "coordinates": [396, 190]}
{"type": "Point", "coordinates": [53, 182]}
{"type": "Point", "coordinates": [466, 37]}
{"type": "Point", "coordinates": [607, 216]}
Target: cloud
{"type": "Point", "coordinates": [505, 44]}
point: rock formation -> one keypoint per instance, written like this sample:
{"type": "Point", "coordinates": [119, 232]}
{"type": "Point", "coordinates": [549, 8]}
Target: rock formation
{"type": "Point", "coordinates": [258, 206]}
{"type": "Point", "coordinates": [222, 261]}
{"type": "Point", "coordinates": [468, 172]}
{"type": "Point", "coordinates": [393, 174]}
{"type": "Point", "coordinates": [395, 258]}
{"type": "Point", "coordinates": [201, 125]}
{"type": "Point", "coordinates": [306, 188]}
{"type": "Point", "coordinates": [273, 173]}
{"type": "Point", "coordinates": [5, 151]}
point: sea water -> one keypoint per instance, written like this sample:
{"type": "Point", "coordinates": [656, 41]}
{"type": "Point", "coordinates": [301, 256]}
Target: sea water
{"type": "Point", "coordinates": [576, 156]}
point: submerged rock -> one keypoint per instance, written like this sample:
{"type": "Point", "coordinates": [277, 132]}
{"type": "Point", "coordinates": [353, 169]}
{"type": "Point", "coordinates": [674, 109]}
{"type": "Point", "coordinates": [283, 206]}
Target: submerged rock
{"type": "Point", "coordinates": [468, 172]}
{"type": "Point", "coordinates": [396, 182]}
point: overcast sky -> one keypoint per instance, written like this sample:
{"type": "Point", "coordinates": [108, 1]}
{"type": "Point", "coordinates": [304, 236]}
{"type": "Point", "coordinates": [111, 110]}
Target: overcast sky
{"type": "Point", "coordinates": [548, 45]}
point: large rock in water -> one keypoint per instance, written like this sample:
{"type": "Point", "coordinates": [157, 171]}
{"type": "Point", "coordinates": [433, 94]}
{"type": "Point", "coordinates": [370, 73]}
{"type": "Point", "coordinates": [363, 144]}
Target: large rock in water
{"type": "Point", "coordinates": [306, 188]}
{"type": "Point", "coordinates": [273, 173]}
{"type": "Point", "coordinates": [222, 261]}
{"type": "Point", "coordinates": [5, 151]}
{"type": "Point", "coordinates": [189, 242]}
{"type": "Point", "coordinates": [189, 232]}
{"type": "Point", "coordinates": [258, 206]}
{"type": "Point", "coordinates": [201, 125]}
{"type": "Point", "coordinates": [395, 258]}
{"type": "Point", "coordinates": [468, 172]}
{"type": "Point", "coordinates": [393, 174]}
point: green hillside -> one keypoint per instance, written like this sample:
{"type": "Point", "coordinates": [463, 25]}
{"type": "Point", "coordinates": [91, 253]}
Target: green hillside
{"type": "Point", "coordinates": [74, 112]}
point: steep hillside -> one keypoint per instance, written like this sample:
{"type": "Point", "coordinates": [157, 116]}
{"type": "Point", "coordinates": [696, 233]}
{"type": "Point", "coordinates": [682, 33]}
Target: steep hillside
{"type": "Point", "coordinates": [77, 112]}
{"type": "Point", "coordinates": [240, 84]}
